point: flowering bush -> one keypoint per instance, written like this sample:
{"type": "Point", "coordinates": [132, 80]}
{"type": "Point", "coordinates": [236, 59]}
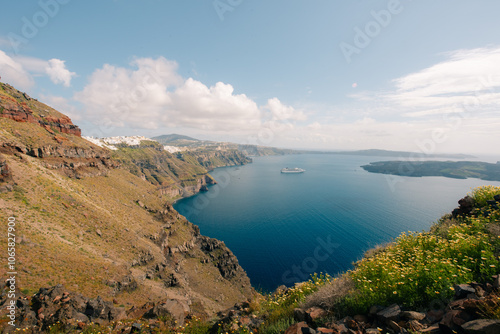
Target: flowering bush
{"type": "Point", "coordinates": [420, 268]}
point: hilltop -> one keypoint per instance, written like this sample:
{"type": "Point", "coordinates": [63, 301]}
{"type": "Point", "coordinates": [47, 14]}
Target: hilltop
{"type": "Point", "coordinates": [167, 139]}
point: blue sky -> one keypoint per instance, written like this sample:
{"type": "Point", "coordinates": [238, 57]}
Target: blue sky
{"type": "Point", "coordinates": [403, 75]}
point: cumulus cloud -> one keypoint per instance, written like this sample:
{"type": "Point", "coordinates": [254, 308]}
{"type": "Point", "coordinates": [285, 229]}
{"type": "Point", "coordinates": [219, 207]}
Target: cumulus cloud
{"type": "Point", "coordinates": [281, 112]}
{"type": "Point", "coordinates": [58, 72]}
{"type": "Point", "coordinates": [212, 108]}
{"type": "Point", "coordinates": [151, 94]}
{"type": "Point", "coordinates": [14, 73]}
{"type": "Point", "coordinates": [125, 96]}
{"type": "Point", "coordinates": [21, 71]}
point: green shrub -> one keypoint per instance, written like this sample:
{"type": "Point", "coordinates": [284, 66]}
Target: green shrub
{"type": "Point", "coordinates": [483, 194]}
{"type": "Point", "coordinates": [278, 326]}
{"type": "Point", "coordinates": [277, 308]}
{"type": "Point", "coordinates": [422, 267]}
{"type": "Point", "coordinates": [196, 326]}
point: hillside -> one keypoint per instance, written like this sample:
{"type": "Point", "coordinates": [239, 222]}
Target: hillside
{"type": "Point", "coordinates": [85, 221]}
{"type": "Point", "coordinates": [185, 143]}
{"type": "Point", "coordinates": [176, 175]}
{"type": "Point", "coordinates": [452, 169]}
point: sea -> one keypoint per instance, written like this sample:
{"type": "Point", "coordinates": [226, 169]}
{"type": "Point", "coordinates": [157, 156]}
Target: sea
{"type": "Point", "coordinates": [285, 227]}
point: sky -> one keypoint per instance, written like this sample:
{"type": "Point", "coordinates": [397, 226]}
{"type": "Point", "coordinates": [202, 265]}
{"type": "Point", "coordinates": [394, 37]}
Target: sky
{"type": "Point", "coordinates": [420, 76]}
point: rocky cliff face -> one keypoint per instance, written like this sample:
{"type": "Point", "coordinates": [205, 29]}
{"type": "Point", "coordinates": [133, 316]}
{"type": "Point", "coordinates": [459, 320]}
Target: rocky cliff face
{"type": "Point", "coordinates": [211, 159]}
{"type": "Point", "coordinates": [32, 128]}
{"type": "Point", "coordinates": [180, 174]}
{"type": "Point", "coordinates": [18, 107]}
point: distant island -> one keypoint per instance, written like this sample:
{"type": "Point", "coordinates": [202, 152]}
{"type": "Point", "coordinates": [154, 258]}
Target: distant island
{"type": "Point", "coordinates": [453, 169]}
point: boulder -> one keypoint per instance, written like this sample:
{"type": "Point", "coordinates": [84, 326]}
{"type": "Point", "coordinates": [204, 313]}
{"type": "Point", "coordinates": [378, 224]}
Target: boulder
{"type": "Point", "coordinates": [127, 283]}
{"type": "Point", "coordinates": [434, 315]}
{"type": "Point", "coordinates": [390, 313]}
{"type": "Point", "coordinates": [414, 325]}
{"type": "Point", "coordinates": [482, 326]}
{"type": "Point", "coordinates": [463, 290]}
{"type": "Point", "coordinates": [412, 315]}
{"type": "Point", "coordinates": [301, 315]}
{"type": "Point", "coordinates": [98, 309]}
{"type": "Point", "coordinates": [174, 307]}
{"type": "Point", "coordinates": [316, 313]}
{"type": "Point", "coordinates": [452, 320]}
{"type": "Point", "coordinates": [465, 208]}
{"type": "Point", "coordinates": [296, 328]}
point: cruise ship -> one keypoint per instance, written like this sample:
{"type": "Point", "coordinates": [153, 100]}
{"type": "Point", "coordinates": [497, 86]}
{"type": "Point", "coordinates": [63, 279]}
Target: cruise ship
{"type": "Point", "coordinates": [293, 170]}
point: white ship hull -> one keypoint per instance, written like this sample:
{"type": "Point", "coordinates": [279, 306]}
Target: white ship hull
{"type": "Point", "coordinates": [292, 170]}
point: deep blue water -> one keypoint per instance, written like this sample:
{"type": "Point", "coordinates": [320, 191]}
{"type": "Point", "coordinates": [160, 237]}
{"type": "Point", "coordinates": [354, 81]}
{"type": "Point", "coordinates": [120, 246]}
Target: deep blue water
{"type": "Point", "coordinates": [283, 227]}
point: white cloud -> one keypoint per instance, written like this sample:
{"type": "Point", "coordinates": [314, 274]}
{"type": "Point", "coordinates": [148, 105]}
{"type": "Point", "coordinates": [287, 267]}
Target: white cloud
{"type": "Point", "coordinates": [281, 112]}
{"type": "Point", "coordinates": [122, 96]}
{"type": "Point", "coordinates": [468, 78]}
{"type": "Point", "coordinates": [14, 73]}
{"type": "Point", "coordinates": [35, 66]}
{"type": "Point", "coordinates": [153, 95]}
{"type": "Point", "coordinates": [212, 108]}
{"type": "Point", "coordinates": [58, 72]}
{"type": "Point", "coordinates": [20, 71]}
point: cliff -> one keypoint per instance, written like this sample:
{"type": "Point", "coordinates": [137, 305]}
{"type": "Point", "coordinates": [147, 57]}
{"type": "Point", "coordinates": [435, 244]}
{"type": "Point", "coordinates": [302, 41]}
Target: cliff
{"type": "Point", "coordinates": [108, 236]}
{"type": "Point", "coordinates": [185, 143]}
{"type": "Point", "coordinates": [178, 174]}
{"type": "Point", "coordinates": [20, 107]}
{"type": "Point", "coordinates": [31, 128]}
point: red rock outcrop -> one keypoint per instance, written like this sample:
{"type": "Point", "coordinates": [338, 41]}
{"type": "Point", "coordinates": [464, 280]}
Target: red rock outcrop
{"type": "Point", "coordinates": [21, 112]}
